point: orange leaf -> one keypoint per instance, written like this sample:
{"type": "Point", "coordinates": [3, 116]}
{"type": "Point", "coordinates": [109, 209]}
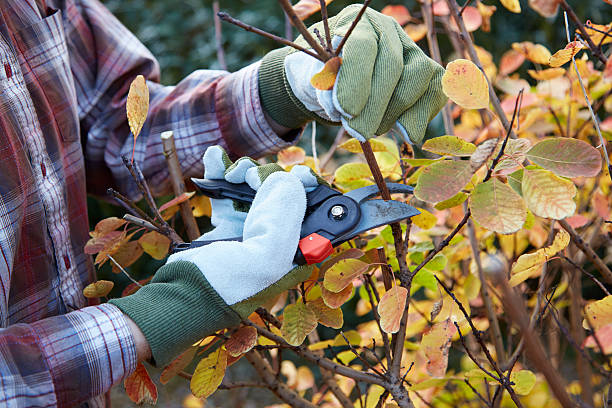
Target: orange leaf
{"type": "Point", "coordinates": [533, 52]}
{"type": "Point", "coordinates": [391, 308]}
{"type": "Point", "coordinates": [306, 8]}
{"type": "Point", "coordinates": [471, 18]}
{"type": "Point", "coordinates": [486, 12]}
{"type": "Point", "coordinates": [335, 300]}
{"type": "Point", "coordinates": [177, 365]}
{"type": "Point", "coordinates": [97, 244]}
{"type": "Point", "coordinates": [139, 386]}
{"type": "Point", "coordinates": [98, 289]}
{"type": "Point", "coordinates": [201, 206]}
{"type": "Point", "coordinates": [562, 56]}
{"type": "Point", "coordinates": [241, 341]}
{"type": "Point", "coordinates": [127, 254]}
{"type": "Point", "coordinates": [133, 288]}
{"type": "Point", "coordinates": [291, 156]}
{"type": "Point", "coordinates": [416, 32]}
{"type": "Point", "coordinates": [604, 337]}
{"type": "Point", "coordinates": [435, 344]}
{"type": "Point", "coordinates": [511, 61]}
{"type": "Point", "coordinates": [325, 79]}
{"type": "Point", "coordinates": [177, 200]}
{"type": "Point", "coordinates": [398, 12]}
{"type": "Point", "coordinates": [106, 225]}
{"type": "Point", "coordinates": [597, 32]}
{"type": "Point", "coordinates": [342, 273]}
{"type": "Point", "coordinates": [155, 244]}
{"type": "Point", "coordinates": [546, 8]}
{"type": "Point", "coordinates": [546, 74]}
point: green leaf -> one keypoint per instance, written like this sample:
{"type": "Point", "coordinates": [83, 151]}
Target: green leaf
{"type": "Point", "coordinates": [451, 145]}
{"type": "Point", "coordinates": [421, 247]}
{"type": "Point", "coordinates": [419, 162]}
{"type": "Point", "coordinates": [353, 175]}
{"type": "Point", "coordinates": [515, 181]}
{"type": "Point", "coordinates": [442, 180]}
{"type": "Point", "coordinates": [566, 157]}
{"type": "Point", "coordinates": [437, 263]}
{"type": "Point", "coordinates": [354, 146]}
{"type": "Point", "coordinates": [454, 201]}
{"type": "Point", "coordinates": [426, 279]}
{"type": "Point", "coordinates": [298, 321]}
{"type": "Point", "coordinates": [523, 380]}
{"type": "Point", "coordinates": [497, 207]}
{"type": "Point", "coordinates": [547, 195]}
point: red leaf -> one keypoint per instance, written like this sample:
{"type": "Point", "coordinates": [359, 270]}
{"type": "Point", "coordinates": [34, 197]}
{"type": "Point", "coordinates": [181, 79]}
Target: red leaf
{"type": "Point", "coordinates": [177, 365]}
{"type": "Point", "coordinates": [139, 386]}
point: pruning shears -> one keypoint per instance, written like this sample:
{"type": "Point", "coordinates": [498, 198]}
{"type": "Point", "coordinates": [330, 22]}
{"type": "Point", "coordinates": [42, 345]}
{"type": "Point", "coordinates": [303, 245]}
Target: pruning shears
{"type": "Point", "coordinates": [331, 217]}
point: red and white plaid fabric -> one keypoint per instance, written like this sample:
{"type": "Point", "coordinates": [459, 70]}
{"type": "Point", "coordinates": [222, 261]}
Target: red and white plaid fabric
{"type": "Point", "coordinates": [65, 69]}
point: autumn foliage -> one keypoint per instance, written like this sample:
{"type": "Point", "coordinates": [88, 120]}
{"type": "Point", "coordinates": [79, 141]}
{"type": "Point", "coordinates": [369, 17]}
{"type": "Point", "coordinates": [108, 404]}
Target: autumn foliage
{"type": "Point", "coordinates": [483, 299]}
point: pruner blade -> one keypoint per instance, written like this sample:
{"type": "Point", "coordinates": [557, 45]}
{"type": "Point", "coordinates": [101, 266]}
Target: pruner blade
{"type": "Point", "coordinates": [365, 193]}
{"type": "Point", "coordinates": [375, 213]}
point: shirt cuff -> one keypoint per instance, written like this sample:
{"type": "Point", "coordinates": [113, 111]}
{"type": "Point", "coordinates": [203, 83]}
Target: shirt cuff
{"type": "Point", "coordinates": [245, 130]}
{"type": "Point", "coordinates": [87, 350]}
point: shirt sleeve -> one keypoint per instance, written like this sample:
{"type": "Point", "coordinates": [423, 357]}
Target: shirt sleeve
{"type": "Point", "coordinates": [63, 360]}
{"type": "Point", "coordinates": [207, 107]}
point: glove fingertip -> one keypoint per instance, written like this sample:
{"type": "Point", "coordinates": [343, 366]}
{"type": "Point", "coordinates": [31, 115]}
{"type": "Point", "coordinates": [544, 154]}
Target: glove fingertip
{"type": "Point", "coordinates": [215, 161]}
{"type": "Point", "coordinates": [306, 176]}
{"type": "Point", "coordinates": [237, 171]}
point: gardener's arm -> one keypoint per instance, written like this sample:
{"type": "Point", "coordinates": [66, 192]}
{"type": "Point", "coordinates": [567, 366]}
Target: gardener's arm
{"type": "Point", "coordinates": [63, 360]}
{"type": "Point", "coordinates": [207, 107]}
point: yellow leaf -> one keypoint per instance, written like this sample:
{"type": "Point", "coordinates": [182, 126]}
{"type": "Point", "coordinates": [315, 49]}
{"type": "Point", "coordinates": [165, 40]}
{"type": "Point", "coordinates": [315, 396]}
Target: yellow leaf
{"type": "Point", "coordinates": [201, 206]}
{"type": "Point", "coordinates": [298, 322]}
{"type": "Point", "coordinates": [137, 104]}
{"type": "Point", "coordinates": [597, 33]}
{"type": "Point", "coordinates": [548, 195]}
{"type": "Point", "coordinates": [523, 380]}
{"type": "Point", "coordinates": [325, 315]}
{"type": "Point", "coordinates": [533, 52]}
{"type": "Point", "coordinates": [512, 5]}
{"type": "Point", "coordinates": [98, 289]}
{"type": "Point", "coordinates": [353, 175]}
{"type": "Point", "coordinates": [454, 201]}
{"type": "Point", "coordinates": [546, 74]}
{"type": "Point", "coordinates": [599, 313]}
{"type": "Point", "coordinates": [324, 80]}
{"type": "Point", "coordinates": [497, 207]}
{"type": "Point", "coordinates": [451, 145]}
{"type": "Point", "coordinates": [391, 308]}
{"type": "Point", "coordinates": [562, 56]}
{"type": "Point", "coordinates": [435, 344]}
{"type": "Point", "coordinates": [155, 244]}
{"type": "Point", "coordinates": [486, 12]}
{"type": "Point", "coordinates": [425, 220]}
{"type": "Point", "coordinates": [342, 273]}
{"type": "Point", "coordinates": [209, 373]}
{"type": "Point", "coordinates": [466, 85]}
{"type": "Point", "coordinates": [127, 254]}
{"type": "Point", "coordinates": [354, 146]}
{"type": "Point", "coordinates": [530, 265]}
{"type": "Point", "coordinates": [106, 225]}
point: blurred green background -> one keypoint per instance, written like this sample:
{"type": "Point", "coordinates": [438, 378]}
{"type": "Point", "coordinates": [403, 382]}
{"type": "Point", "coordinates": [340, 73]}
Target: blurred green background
{"type": "Point", "coordinates": [180, 33]}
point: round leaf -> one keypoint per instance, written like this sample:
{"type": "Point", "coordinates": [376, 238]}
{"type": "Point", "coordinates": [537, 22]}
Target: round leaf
{"type": "Point", "coordinates": [298, 321]}
{"type": "Point", "coordinates": [452, 145]}
{"type": "Point", "coordinates": [566, 157]}
{"type": "Point", "coordinates": [324, 80]}
{"type": "Point", "coordinates": [325, 315]}
{"type": "Point", "coordinates": [466, 85]}
{"type": "Point", "coordinates": [342, 273]}
{"type": "Point", "coordinates": [391, 308]}
{"type": "Point", "coordinates": [209, 373]}
{"type": "Point", "coordinates": [442, 180]}
{"type": "Point", "coordinates": [547, 195]}
{"type": "Point", "coordinates": [523, 380]}
{"type": "Point", "coordinates": [497, 207]}
{"type": "Point", "coordinates": [98, 289]}
{"type": "Point", "coordinates": [241, 341]}
{"type": "Point", "coordinates": [155, 244]}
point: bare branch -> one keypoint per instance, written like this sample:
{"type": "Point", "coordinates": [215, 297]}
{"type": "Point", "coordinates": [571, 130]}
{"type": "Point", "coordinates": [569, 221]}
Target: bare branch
{"type": "Point", "coordinates": [588, 251]}
{"type": "Point", "coordinates": [324, 17]}
{"type": "Point", "coordinates": [299, 25]}
{"type": "Point", "coordinates": [140, 222]}
{"type": "Point", "coordinates": [352, 27]}
{"type": "Point", "coordinates": [219, 36]}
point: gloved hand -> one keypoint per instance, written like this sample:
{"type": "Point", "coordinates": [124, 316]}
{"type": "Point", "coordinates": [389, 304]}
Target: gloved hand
{"type": "Point", "coordinates": [205, 289]}
{"type": "Point", "coordinates": [385, 81]}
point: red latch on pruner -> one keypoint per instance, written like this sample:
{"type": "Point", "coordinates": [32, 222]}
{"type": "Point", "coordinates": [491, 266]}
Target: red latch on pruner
{"type": "Point", "coordinates": [315, 248]}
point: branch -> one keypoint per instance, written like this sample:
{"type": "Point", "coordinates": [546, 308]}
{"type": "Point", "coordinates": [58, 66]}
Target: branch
{"type": "Point", "coordinates": [219, 36]}
{"type": "Point", "coordinates": [226, 17]}
{"type": "Point", "coordinates": [140, 222]}
{"type": "Point", "coordinates": [352, 27]}
{"type": "Point", "coordinates": [594, 49]}
{"type": "Point", "coordinates": [124, 271]}
{"type": "Point", "coordinates": [590, 276]}
{"type": "Point", "coordinates": [328, 39]}
{"type": "Point", "coordinates": [178, 184]}
{"type": "Point", "coordinates": [588, 251]}
{"type": "Point", "coordinates": [299, 25]}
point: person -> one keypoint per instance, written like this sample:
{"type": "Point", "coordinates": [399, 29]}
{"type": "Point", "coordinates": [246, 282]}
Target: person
{"type": "Point", "coordinates": [65, 69]}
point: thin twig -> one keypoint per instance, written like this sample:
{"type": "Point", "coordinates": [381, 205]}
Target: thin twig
{"type": "Point", "coordinates": [140, 222]}
{"type": "Point", "coordinates": [299, 25]}
{"type": "Point", "coordinates": [602, 141]}
{"type": "Point", "coordinates": [226, 17]}
{"type": "Point", "coordinates": [352, 27]}
{"type": "Point", "coordinates": [178, 184]}
{"type": "Point", "coordinates": [129, 205]}
{"type": "Point", "coordinates": [590, 276]}
{"type": "Point", "coordinates": [124, 271]}
{"type": "Point", "coordinates": [219, 36]}
{"type": "Point", "coordinates": [588, 251]}
{"type": "Point", "coordinates": [324, 17]}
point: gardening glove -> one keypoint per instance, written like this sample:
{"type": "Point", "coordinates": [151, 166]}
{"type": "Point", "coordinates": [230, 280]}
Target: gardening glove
{"type": "Point", "coordinates": [385, 81]}
{"type": "Point", "coordinates": [202, 290]}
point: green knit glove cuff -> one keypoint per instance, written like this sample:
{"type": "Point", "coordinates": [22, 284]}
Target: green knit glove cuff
{"type": "Point", "coordinates": [176, 309]}
{"type": "Point", "coordinates": [275, 93]}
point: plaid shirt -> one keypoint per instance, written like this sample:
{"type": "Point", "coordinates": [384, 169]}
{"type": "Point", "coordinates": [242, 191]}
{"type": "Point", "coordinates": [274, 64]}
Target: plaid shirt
{"type": "Point", "coordinates": [65, 69]}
